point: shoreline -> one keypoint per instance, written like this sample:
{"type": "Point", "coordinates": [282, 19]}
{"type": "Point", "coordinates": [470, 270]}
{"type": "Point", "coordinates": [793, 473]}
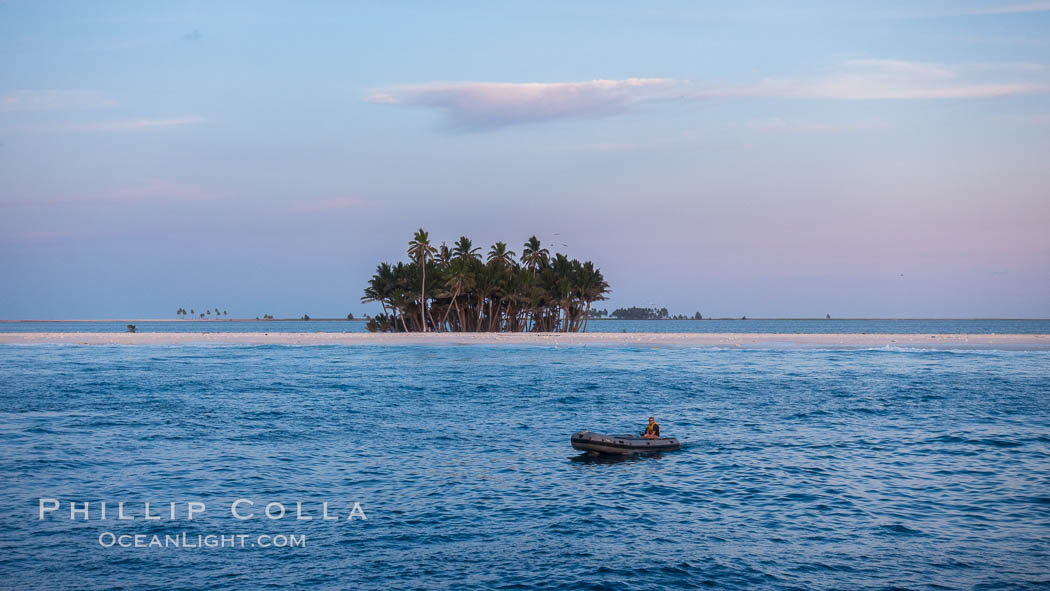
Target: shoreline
{"type": "Point", "coordinates": [1030, 342]}
{"type": "Point", "coordinates": [714, 318]}
{"type": "Point", "coordinates": [90, 320]}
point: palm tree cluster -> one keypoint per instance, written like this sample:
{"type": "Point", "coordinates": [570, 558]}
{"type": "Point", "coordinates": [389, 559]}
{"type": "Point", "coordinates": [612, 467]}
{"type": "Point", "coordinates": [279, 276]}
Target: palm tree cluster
{"type": "Point", "coordinates": [454, 290]}
{"type": "Point", "coordinates": [182, 312]}
{"type": "Point", "coordinates": [636, 313]}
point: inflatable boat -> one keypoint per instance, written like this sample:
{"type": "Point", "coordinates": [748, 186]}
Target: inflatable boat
{"type": "Point", "coordinates": [622, 444]}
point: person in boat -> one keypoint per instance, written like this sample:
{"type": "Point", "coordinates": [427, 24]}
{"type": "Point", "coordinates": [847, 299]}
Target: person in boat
{"type": "Point", "coordinates": [652, 430]}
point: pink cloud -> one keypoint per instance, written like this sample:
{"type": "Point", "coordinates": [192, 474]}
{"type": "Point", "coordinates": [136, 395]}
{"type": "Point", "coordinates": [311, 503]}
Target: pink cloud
{"type": "Point", "coordinates": [127, 125]}
{"type": "Point", "coordinates": [489, 105]}
{"type": "Point", "coordinates": [497, 104]}
{"type": "Point", "coordinates": [53, 100]}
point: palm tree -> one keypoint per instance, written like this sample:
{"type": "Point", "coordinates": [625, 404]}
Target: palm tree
{"type": "Point", "coordinates": [544, 293]}
{"type": "Point", "coordinates": [379, 286]}
{"type": "Point", "coordinates": [593, 287]}
{"type": "Point", "coordinates": [458, 279]}
{"type": "Point", "coordinates": [500, 256]}
{"type": "Point", "coordinates": [420, 250]}
{"type": "Point", "coordinates": [533, 255]}
{"type": "Point", "coordinates": [399, 301]}
{"type": "Point", "coordinates": [464, 249]}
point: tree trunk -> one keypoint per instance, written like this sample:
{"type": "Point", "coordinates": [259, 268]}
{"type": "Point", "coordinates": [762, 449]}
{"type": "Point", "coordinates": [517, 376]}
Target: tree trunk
{"type": "Point", "coordinates": [423, 292]}
{"type": "Point", "coordinates": [454, 296]}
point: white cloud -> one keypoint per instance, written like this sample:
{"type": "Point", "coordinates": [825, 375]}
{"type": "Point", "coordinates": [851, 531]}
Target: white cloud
{"type": "Point", "coordinates": [488, 105]}
{"type": "Point", "coordinates": [497, 104]}
{"type": "Point", "coordinates": [871, 79]}
{"type": "Point", "coordinates": [53, 100]}
{"type": "Point", "coordinates": [1015, 8]}
{"type": "Point", "coordinates": [128, 125]}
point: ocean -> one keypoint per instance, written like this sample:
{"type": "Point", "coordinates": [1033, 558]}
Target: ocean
{"type": "Point", "coordinates": [801, 468]}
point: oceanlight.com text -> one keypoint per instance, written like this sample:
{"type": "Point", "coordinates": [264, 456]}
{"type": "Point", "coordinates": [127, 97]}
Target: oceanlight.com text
{"type": "Point", "coordinates": [188, 541]}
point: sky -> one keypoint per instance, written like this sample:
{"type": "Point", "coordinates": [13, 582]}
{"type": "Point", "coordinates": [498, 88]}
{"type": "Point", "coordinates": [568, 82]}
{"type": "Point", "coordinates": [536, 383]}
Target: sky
{"type": "Point", "coordinates": [768, 159]}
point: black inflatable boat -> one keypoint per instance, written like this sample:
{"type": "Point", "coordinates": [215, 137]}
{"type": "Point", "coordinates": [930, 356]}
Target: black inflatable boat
{"type": "Point", "coordinates": [622, 444]}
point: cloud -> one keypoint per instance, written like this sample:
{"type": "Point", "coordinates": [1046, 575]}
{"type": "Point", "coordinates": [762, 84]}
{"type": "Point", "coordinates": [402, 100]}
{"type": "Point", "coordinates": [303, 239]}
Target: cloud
{"type": "Point", "coordinates": [147, 192]}
{"type": "Point", "coordinates": [323, 205]}
{"type": "Point", "coordinates": [53, 100]}
{"type": "Point", "coordinates": [487, 105]}
{"type": "Point", "coordinates": [127, 125]}
{"type": "Point", "coordinates": [160, 190]}
{"type": "Point", "coordinates": [598, 147]}
{"type": "Point", "coordinates": [874, 79]}
{"type": "Point", "coordinates": [778, 124]}
{"type": "Point", "coordinates": [683, 137]}
{"type": "Point", "coordinates": [1015, 8]}
{"type": "Point", "coordinates": [490, 105]}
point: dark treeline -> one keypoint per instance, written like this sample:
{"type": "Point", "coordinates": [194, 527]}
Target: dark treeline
{"type": "Point", "coordinates": [207, 313]}
{"type": "Point", "coordinates": [455, 290]}
{"type": "Point", "coordinates": [635, 313]}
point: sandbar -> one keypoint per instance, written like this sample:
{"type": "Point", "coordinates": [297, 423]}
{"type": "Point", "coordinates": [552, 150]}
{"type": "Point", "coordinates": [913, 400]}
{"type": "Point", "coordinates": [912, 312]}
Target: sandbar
{"type": "Point", "coordinates": [718, 340]}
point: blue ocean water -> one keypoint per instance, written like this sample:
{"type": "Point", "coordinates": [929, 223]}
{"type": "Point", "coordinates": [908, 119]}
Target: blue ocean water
{"type": "Point", "coordinates": [803, 469]}
{"type": "Point", "coordinates": [760, 325]}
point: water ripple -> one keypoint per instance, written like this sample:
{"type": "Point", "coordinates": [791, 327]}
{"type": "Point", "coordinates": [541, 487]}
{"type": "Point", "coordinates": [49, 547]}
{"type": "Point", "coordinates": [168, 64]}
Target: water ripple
{"type": "Point", "coordinates": [800, 469]}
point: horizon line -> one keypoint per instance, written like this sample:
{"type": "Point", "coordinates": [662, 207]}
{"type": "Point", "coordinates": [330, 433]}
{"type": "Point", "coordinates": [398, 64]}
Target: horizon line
{"type": "Point", "coordinates": [361, 318]}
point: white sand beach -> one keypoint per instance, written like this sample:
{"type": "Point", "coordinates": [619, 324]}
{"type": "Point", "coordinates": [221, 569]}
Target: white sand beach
{"type": "Point", "coordinates": [728, 340]}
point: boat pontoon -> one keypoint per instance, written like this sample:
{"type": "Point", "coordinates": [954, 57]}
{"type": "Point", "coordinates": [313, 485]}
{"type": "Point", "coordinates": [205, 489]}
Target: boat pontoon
{"type": "Point", "coordinates": [622, 444]}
